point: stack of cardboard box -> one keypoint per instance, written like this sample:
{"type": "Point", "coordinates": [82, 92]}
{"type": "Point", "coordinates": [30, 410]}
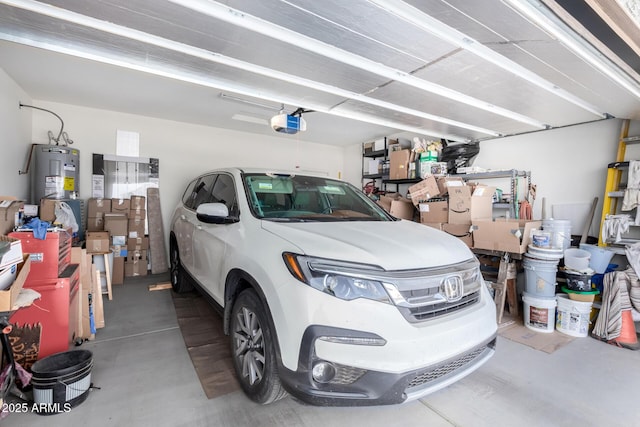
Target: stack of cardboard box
{"type": "Point", "coordinates": [446, 203]}
{"type": "Point", "coordinates": [118, 226]}
{"type": "Point", "coordinates": [466, 204]}
{"type": "Point", "coordinates": [137, 244]}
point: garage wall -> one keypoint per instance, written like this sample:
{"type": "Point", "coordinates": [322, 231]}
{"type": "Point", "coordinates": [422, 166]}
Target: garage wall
{"type": "Point", "coordinates": [15, 137]}
{"type": "Point", "coordinates": [568, 166]}
{"type": "Point", "coordinates": [183, 150]}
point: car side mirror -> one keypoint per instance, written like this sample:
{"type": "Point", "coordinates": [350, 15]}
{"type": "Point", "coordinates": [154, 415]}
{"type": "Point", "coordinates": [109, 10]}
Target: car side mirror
{"type": "Point", "coordinates": [214, 213]}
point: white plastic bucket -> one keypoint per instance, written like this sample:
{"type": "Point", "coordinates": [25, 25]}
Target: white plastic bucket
{"type": "Point", "coordinates": [576, 259]}
{"type": "Point", "coordinates": [548, 254]}
{"type": "Point", "coordinates": [560, 230]}
{"type": "Point", "coordinates": [539, 313]}
{"type": "Point", "coordinates": [600, 257]}
{"type": "Point", "coordinates": [573, 316]}
{"type": "Point", "coordinates": [540, 276]}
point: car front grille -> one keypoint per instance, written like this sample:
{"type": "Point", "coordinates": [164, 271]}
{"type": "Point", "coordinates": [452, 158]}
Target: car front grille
{"type": "Point", "coordinates": [426, 312]}
{"type": "Point", "coordinates": [431, 374]}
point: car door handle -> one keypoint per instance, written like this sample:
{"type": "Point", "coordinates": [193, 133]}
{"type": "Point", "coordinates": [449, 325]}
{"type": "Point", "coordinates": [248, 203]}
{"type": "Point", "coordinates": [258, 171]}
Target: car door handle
{"type": "Point", "coordinates": [183, 218]}
{"type": "Point", "coordinates": [199, 227]}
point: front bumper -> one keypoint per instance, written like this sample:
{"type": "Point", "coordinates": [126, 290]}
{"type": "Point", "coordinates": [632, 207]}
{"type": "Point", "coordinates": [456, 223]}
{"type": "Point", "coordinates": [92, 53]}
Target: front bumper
{"type": "Point", "coordinates": [354, 386]}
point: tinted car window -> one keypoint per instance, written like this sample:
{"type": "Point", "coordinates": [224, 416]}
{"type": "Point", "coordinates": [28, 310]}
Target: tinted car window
{"type": "Point", "coordinates": [224, 192]}
{"type": "Point", "coordinates": [202, 191]}
{"type": "Point", "coordinates": [187, 197]}
{"type": "Point", "coordinates": [304, 198]}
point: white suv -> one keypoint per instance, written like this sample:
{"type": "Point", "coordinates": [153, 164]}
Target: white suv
{"type": "Point", "coordinates": [324, 294]}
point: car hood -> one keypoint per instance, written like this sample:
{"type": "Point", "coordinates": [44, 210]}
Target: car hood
{"type": "Point", "coordinates": [392, 245]}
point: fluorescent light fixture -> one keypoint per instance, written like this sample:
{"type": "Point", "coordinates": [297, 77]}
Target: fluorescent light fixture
{"type": "Point", "coordinates": [252, 23]}
{"type": "Point", "coordinates": [250, 119]}
{"type": "Point", "coordinates": [226, 96]}
{"type": "Point", "coordinates": [539, 14]}
{"type": "Point", "coordinates": [431, 25]}
{"type": "Point", "coordinates": [143, 37]}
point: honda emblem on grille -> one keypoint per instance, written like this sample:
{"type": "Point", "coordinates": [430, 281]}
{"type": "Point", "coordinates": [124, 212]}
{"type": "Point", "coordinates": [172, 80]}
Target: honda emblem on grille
{"type": "Point", "coordinates": [453, 288]}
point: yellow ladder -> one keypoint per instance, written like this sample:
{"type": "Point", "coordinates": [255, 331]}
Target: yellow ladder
{"type": "Point", "coordinates": [614, 174]}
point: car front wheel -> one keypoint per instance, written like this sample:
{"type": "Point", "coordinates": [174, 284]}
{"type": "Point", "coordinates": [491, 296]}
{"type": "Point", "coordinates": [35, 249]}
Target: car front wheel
{"type": "Point", "coordinates": [179, 281]}
{"type": "Point", "coordinates": [252, 347]}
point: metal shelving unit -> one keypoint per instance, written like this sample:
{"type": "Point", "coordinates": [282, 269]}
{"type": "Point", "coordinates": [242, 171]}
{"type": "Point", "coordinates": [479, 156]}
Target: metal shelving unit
{"type": "Point", "coordinates": [513, 175]}
{"type": "Point", "coordinates": [383, 178]}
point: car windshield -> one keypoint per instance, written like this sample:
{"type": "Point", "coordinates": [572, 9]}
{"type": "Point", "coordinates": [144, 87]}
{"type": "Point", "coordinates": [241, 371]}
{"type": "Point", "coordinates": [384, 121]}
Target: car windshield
{"type": "Point", "coordinates": [285, 197]}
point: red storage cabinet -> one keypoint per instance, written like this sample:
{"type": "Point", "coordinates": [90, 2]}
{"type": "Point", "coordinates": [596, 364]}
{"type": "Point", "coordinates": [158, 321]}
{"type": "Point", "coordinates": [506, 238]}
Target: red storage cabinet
{"type": "Point", "coordinates": [54, 310]}
{"type": "Point", "coordinates": [49, 257]}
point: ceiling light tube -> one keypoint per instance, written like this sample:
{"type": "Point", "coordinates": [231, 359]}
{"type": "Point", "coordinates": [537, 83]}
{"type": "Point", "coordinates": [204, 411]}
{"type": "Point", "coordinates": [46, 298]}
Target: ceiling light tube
{"type": "Point", "coordinates": [226, 96]}
{"type": "Point", "coordinates": [431, 25]}
{"type": "Point", "coordinates": [539, 14]}
{"type": "Point", "coordinates": [248, 92]}
{"type": "Point", "coordinates": [147, 38]}
{"type": "Point", "coordinates": [252, 23]}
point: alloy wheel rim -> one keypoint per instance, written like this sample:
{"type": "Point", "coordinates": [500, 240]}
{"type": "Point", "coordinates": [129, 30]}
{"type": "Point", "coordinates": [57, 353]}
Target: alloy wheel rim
{"type": "Point", "coordinates": [174, 266]}
{"type": "Point", "coordinates": [249, 345]}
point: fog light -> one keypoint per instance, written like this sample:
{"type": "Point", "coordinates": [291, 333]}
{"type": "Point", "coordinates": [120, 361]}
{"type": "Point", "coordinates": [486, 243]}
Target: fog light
{"type": "Point", "coordinates": [323, 372]}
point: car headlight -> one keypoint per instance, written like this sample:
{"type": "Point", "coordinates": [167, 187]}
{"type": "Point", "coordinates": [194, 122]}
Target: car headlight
{"type": "Point", "coordinates": [347, 281]}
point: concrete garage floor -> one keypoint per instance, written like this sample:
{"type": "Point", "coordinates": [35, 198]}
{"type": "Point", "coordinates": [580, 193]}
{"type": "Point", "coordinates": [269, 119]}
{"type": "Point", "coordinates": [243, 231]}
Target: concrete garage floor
{"type": "Point", "coordinates": [146, 378]}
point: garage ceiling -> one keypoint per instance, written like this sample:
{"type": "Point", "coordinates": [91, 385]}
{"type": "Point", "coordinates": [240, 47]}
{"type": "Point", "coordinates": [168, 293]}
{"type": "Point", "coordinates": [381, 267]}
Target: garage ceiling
{"type": "Point", "coordinates": [457, 69]}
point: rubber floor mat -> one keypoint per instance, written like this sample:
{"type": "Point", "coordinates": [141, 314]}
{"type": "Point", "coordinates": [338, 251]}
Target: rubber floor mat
{"type": "Point", "coordinates": [208, 346]}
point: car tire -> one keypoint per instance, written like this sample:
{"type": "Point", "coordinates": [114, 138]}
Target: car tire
{"type": "Point", "coordinates": [253, 350]}
{"type": "Point", "coordinates": [179, 280]}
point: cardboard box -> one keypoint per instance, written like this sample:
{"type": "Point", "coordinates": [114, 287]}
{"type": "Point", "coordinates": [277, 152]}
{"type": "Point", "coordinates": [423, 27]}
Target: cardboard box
{"type": "Point", "coordinates": [399, 164]}
{"type": "Point", "coordinates": [47, 210]}
{"type": "Point", "coordinates": [386, 199]}
{"type": "Point", "coordinates": [436, 225]}
{"type": "Point", "coordinates": [135, 268]}
{"type": "Point", "coordinates": [504, 235]}
{"type": "Point", "coordinates": [95, 223]}
{"type": "Point", "coordinates": [139, 243]}
{"type": "Point", "coordinates": [98, 204]}
{"type": "Point", "coordinates": [14, 254]}
{"type": "Point", "coordinates": [398, 206]}
{"type": "Point", "coordinates": [444, 182]}
{"type": "Point", "coordinates": [116, 224]}
{"type": "Point", "coordinates": [424, 190]}
{"type": "Point", "coordinates": [461, 231]}
{"type": "Point", "coordinates": [434, 211]}
{"type": "Point", "coordinates": [9, 213]}
{"type": "Point", "coordinates": [138, 202]}
{"type": "Point", "coordinates": [9, 296]}
{"type": "Point", "coordinates": [402, 208]}
{"type": "Point", "coordinates": [120, 206]}
{"type": "Point", "coordinates": [136, 228]}
{"type": "Point", "coordinates": [460, 205]}
{"type": "Point", "coordinates": [465, 206]}
{"type": "Point", "coordinates": [482, 202]}
{"type": "Point", "coordinates": [97, 242]}
{"type": "Point", "coordinates": [138, 214]}
{"type": "Point", "coordinates": [137, 255]}
{"type": "Point", "coordinates": [117, 275]}
{"type": "Point", "coordinates": [367, 147]}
